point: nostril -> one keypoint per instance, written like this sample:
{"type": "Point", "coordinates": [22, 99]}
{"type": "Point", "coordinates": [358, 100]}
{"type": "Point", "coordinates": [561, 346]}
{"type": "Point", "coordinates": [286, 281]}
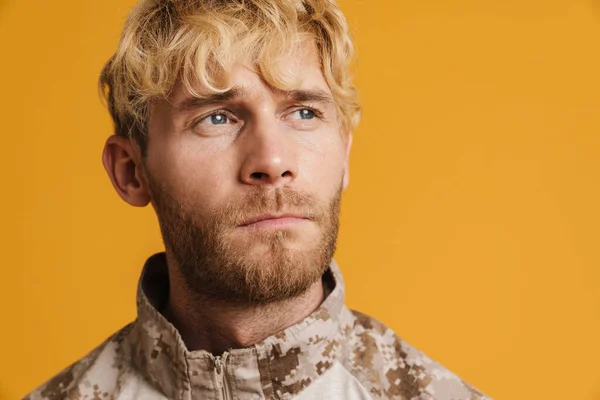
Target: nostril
{"type": "Point", "coordinates": [263, 177]}
{"type": "Point", "coordinates": [257, 175]}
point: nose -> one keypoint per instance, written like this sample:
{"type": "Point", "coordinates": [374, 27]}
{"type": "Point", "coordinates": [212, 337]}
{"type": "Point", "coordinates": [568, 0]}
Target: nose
{"type": "Point", "coordinates": [268, 156]}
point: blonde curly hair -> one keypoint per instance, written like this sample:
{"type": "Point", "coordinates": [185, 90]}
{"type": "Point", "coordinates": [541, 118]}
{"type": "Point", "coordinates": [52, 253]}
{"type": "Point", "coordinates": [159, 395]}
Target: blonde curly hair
{"type": "Point", "coordinates": [195, 41]}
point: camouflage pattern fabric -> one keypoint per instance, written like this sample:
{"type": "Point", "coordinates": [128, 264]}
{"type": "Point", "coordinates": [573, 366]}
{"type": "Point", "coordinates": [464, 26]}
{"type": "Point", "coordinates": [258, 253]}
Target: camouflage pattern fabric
{"type": "Point", "coordinates": [334, 353]}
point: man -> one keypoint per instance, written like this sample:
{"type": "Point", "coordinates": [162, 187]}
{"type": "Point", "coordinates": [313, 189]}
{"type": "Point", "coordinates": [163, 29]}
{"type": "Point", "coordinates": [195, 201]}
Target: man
{"type": "Point", "coordinates": [233, 118]}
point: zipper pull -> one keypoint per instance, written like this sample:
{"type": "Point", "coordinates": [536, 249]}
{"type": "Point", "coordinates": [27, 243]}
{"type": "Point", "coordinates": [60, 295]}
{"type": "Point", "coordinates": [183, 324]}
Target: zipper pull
{"type": "Point", "coordinates": [220, 373]}
{"type": "Point", "coordinates": [218, 365]}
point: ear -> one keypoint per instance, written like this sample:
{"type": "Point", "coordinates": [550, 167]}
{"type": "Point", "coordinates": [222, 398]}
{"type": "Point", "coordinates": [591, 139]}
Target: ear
{"type": "Point", "coordinates": [123, 163]}
{"type": "Point", "coordinates": [347, 161]}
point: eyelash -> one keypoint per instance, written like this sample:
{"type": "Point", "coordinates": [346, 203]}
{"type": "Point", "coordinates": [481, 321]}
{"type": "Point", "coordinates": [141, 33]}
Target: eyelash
{"type": "Point", "coordinates": [318, 113]}
{"type": "Point", "coordinates": [228, 114]}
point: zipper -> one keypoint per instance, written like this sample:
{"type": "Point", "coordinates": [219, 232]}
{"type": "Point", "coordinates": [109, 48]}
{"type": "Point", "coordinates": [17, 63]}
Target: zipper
{"type": "Point", "coordinates": [222, 385]}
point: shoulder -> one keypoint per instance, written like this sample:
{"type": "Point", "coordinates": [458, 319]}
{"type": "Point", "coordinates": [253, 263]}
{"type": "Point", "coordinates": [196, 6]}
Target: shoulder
{"type": "Point", "coordinates": [391, 368]}
{"type": "Point", "coordinates": [94, 376]}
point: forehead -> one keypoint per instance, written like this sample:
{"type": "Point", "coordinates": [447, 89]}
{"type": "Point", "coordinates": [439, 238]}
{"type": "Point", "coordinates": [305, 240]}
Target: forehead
{"type": "Point", "coordinates": [301, 69]}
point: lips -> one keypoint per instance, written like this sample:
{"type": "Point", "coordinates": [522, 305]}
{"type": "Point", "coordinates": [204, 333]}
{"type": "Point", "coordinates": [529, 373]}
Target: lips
{"type": "Point", "coordinates": [274, 220]}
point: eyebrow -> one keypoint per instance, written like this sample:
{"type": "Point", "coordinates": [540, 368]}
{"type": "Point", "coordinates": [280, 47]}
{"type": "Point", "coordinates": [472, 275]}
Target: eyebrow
{"type": "Point", "coordinates": [302, 95]}
{"type": "Point", "coordinates": [299, 95]}
{"type": "Point", "coordinates": [206, 100]}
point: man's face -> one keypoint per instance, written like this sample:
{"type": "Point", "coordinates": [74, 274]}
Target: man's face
{"type": "Point", "coordinates": [247, 185]}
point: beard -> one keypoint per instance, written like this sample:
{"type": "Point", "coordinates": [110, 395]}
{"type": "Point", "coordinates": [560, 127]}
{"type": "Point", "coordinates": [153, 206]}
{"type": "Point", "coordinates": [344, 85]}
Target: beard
{"type": "Point", "coordinates": [219, 260]}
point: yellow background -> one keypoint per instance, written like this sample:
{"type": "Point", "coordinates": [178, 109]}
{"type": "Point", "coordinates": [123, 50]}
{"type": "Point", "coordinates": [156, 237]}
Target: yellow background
{"type": "Point", "coordinates": [471, 224]}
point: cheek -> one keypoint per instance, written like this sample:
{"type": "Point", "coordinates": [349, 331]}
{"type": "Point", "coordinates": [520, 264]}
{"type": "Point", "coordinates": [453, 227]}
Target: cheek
{"type": "Point", "coordinates": [192, 173]}
{"type": "Point", "coordinates": [323, 164]}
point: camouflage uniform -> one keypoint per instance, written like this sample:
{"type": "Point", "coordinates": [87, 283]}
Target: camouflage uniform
{"type": "Point", "coordinates": [334, 353]}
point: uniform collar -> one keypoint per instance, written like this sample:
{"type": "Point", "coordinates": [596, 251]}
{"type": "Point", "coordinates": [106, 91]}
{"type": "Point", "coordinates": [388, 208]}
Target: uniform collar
{"type": "Point", "coordinates": [279, 366]}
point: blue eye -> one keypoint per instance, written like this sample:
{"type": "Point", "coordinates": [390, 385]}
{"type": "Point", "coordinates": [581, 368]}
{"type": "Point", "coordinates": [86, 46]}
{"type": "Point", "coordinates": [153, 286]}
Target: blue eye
{"type": "Point", "coordinates": [306, 113]}
{"type": "Point", "coordinates": [218, 119]}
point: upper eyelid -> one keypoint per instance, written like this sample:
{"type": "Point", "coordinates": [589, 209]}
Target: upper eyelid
{"type": "Point", "coordinates": [218, 111]}
{"type": "Point", "coordinates": [298, 107]}
{"type": "Point", "coordinates": [231, 115]}
{"type": "Point", "coordinates": [318, 113]}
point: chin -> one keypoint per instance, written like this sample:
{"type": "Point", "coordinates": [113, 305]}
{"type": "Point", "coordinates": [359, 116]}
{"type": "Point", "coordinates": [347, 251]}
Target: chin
{"type": "Point", "coordinates": [281, 243]}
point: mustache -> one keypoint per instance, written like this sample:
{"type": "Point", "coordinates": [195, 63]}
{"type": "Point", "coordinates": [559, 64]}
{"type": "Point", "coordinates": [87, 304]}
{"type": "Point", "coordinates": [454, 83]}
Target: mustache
{"type": "Point", "coordinates": [269, 201]}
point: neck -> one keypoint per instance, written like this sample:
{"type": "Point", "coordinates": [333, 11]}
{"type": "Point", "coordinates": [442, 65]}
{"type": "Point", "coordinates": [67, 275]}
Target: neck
{"type": "Point", "coordinates": [212, 325]}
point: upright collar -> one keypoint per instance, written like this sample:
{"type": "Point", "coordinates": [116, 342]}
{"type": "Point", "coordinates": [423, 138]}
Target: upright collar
{"type": "Point", "coordinates": [279, 366]}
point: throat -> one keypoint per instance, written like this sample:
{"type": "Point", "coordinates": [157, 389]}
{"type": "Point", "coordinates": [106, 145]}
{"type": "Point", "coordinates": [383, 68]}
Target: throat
{"type": "Point", "coordinates": [216, 327]}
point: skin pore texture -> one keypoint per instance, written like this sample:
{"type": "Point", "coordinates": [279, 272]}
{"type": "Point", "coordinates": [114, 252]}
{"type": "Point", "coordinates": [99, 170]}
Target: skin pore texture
{"type": "Point", "coordinates": [246, 186]}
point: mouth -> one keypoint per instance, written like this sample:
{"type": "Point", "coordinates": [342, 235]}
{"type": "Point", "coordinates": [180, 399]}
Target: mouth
{"type": "Point", "coordinates": [274, 221]}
